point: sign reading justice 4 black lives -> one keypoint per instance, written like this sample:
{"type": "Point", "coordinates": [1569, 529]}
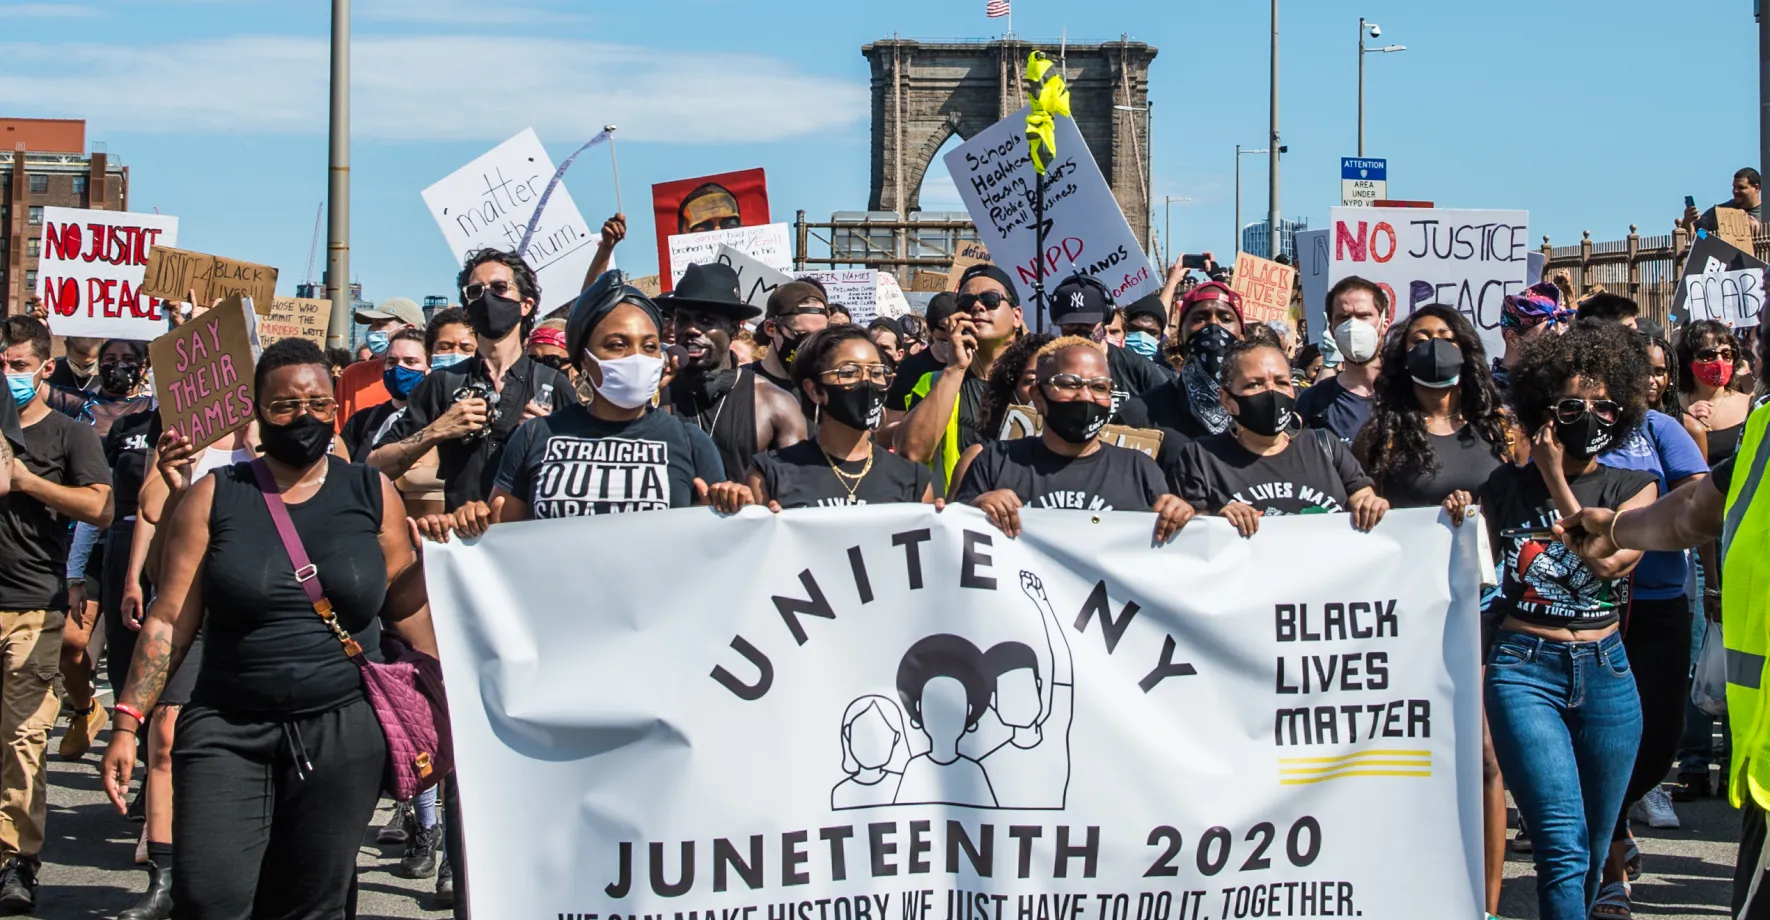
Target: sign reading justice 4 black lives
{"type": "Point", "coordinates": [903, 715]}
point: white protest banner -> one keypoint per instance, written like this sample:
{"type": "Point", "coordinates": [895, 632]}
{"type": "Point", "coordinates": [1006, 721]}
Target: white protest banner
{"type": "Point", "coordinates": [1720, 282]}
{"type": "Point", "coordinates": [854, 288]}
{"type": "Point", "coordinates": [1086, 230]}
{"type": "Point", "coordinates": [489, 202]}
{"type": "Point", "coordinates": [1466, 260]}
{"type": "Point", "coordinates": [770, 244]}
{"type": "Point", "coordinates": [89, 271]}
{"type": "Point", "coordinates": [755, 280]}
{"type": "Point", "coordinates": [1313, 267]}
{"type": "Point", "coordinates": [875, 713]}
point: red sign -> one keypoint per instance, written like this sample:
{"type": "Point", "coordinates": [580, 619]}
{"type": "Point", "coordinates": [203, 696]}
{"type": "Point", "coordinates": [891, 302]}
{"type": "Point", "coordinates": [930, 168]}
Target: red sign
{"type": "Point", "coordinates": [722, 202]}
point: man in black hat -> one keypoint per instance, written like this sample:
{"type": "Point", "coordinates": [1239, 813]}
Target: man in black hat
{"type": "Point", "coordinates": [1080, 306]}
{"type": "Point", "coordinates": [743, 415]}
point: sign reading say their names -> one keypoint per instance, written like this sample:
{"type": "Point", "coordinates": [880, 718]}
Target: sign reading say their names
{"type": "Point", "coordinates": [90, 267]}
{"type": "Point", "coordinates": [174, 274]}
{"type": "Point", "coordinates": [1086, 232]}
{"type": "Point", "coordinates": [854, 288]}
{"type": "Point", "coordinates": [1720, 283]}
{"type": "Point", "coordinates": [1265, 287]}
{"type": "Point", "coordinates": [294, 318]}
{"type": "Point", "coordinates": [203, 373]}
{"type": "Point", "coordinates": [755, 280]}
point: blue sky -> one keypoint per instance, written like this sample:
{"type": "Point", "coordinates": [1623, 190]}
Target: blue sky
{"type": "Point", "coordinates": [1591, 114]}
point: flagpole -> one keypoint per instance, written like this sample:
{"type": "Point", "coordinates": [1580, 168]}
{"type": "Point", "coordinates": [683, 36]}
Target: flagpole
{"type": "Point", "coordinates": [616, 165]}
{"type": "Point", "coordinates": [1039, 241]}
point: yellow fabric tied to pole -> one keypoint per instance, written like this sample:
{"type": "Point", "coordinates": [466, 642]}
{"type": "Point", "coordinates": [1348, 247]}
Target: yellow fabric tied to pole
{"type": "Point", "coordinates": [1050, 99]}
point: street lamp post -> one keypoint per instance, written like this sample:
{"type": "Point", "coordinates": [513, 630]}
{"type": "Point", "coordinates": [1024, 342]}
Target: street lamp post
{"type": "Point", "coordinates": [1375, 32]}
{"type": "Point", "coordinates": [1274, 149]}
{"type": "Point", "coordinates": [1239, 153]}
{"type": "Point", "coordinates": [338, 183]}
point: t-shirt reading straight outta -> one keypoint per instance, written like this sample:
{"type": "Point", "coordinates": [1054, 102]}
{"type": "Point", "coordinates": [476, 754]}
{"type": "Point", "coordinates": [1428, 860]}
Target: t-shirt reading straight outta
{"type": "Point", "coordinates": [34, 539]}
{"type": "Point", "coordinates": [1543, 582]}
{"type": "Point", "coordinates": [1314, 474]}
{"type": "Point", "coordinates": [1110, 479]}
{"type": "Point", "coordinates": [573, 464]}
{"type": "Point", "coordinates": [800, 477]}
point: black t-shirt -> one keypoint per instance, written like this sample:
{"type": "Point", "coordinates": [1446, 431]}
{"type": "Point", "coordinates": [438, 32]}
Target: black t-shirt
{"type": "Point", "coordinates": [1464, 463]}
{"type": "Point", "coordinates": [126, 451]}
{"type": "Point", "coordinates": [1543, 582]}
{"type": "Point", "coordinates": [1332, 407]}
{"type": "Point", "coordinates": [800, 477]}
{"type": "Point", "coordinates": [359, 431]}
{"type": "Point", "coordinates": [1132, 376]}
{"type": "Point", "coordinates": [1110, 479]}
{"type": "Point", "coordinates": [265, 650]}
{"type": "Point", "coordinates": [1721, 474]}
{"type": "Point", "coordinates": [1314, 474]}
{"type": "Point", "coordinates": [34, 539]}
{"type": "Point", "coordinates": [573, 464]}
{"type": "Point", "coordinates": [909, 373]}
{"type": "Point", "coordinates": [466, 468]}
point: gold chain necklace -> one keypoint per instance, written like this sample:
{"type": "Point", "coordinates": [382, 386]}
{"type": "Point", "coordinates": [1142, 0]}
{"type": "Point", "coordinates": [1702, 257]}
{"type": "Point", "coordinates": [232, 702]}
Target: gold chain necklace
{"type": "Point", "coordinates": [845, 478]}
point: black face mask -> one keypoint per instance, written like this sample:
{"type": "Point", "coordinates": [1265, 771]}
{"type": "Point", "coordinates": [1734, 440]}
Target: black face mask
{"type": "Point", "coordinates": [1585, 438]}
{"type": "Point", "coordinates": [297, 444]}
{"type": "Point", "coordinates": [788, 347]}
{"type": "Point", "coordinates": [121, 378]}
{"type": "Point", "coordinates": [1076, 421]}
{"type": "Point", "coordinates": [1207, 347]}
{"type": "Point", "coordinates": [492, 317]}
{"type": "Point", "coordinates": [1436, 363]}
{"type": "Point", "coordinates": [1266, 413]}
{"type": "Point", "coordinates": [861, 407]}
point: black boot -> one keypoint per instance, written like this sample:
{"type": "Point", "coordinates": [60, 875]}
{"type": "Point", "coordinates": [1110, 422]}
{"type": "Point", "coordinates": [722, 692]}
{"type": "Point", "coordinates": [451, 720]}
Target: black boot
{"type": "Point", "coordinates": [419, 860]}
{"type": "Point", "coordinates": [157, 903]}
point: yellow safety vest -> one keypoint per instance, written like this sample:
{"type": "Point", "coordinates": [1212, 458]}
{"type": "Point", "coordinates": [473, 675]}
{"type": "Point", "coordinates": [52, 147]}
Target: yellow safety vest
{"type": "Point", "coordinates": [1745, 596]}
{"type": "Point", "coordinates": [946, 452]}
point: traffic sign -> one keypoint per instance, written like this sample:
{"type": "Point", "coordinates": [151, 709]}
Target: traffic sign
{"type": "Point", "coordinates": [1362, 181]}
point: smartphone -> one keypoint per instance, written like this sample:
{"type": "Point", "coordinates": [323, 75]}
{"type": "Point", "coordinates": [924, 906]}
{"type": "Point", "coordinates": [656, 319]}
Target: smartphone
{"type": "Point", "coordinates": [1199, 262]}
{"type": "Point", "coordinates": [1690, 201]}
{"type": "Point", "coordinates": [1527, 533]}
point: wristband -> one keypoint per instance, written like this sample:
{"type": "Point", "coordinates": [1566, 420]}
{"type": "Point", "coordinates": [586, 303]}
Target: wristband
{"type": "Point", "coordinates": [129, 711]}
{"type": "Point", "coordinates": [1613, 519]}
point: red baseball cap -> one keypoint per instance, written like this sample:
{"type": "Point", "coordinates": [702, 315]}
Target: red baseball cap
{"type": "Point", "coordinates": [1211, 290]}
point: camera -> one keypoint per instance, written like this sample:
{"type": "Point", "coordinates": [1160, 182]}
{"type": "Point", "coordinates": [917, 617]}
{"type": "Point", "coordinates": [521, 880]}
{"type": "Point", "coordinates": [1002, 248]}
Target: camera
{"type": "Point", "coordinates": [1376, 31]}
{"type": "Point", "coordinates": [478, 389]}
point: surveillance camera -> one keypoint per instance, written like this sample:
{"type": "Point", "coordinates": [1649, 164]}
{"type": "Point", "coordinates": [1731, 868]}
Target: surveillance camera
{"type": "Point", "coordinates": [1376, 31]}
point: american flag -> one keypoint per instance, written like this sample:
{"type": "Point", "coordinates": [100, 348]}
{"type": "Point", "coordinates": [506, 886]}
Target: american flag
{"type": "Point", "coordinates": [996, 9]}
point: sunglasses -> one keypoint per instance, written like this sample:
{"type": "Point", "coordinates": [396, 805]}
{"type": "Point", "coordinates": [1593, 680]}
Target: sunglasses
{"type": "Point", "coordinates": [476, 290]}
{"type": "Point", "coordinates": [557, 362]}
{"type": "Point", "coordinates": [1571, 409]}
{"type": "Point", "coordinates": [991, 300]}
{"type": "Point", "coordinates": [1714, 354]}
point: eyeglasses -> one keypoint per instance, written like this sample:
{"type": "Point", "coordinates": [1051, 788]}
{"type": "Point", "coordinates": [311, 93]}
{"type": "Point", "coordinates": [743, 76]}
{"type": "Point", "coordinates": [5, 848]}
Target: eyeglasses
{"type": "Point", "coordinates": [849, 375]}
{"type": "Point", "coordinates": [1724, 353]}
{"type": "Point", "coordinates": [475, 290]}
{"type": "Point", "coordinates": [1073, 383]}
{"type": "Point", "coordinates": [1569, 410]}
{"type": "Point", "coordinates": [284, 411]}
{"type": "Point", "coordinates": [991, 300]}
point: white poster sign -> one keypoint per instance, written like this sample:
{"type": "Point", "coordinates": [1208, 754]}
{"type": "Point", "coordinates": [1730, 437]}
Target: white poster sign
{"type": "Point", "coordinates": [89, 269]}
{"type": "Point", "coordinates": [1467, 260]}
{"type": "Point", "coordinates": [883, 712]}
{"type": "Point", "coordinates": [1086, 231]}
{"type": "Point", "coordinates": [488, 203]}
{"type": "Point", "coordinates": [1312, 269]}
{"type": "Point", "coordinates": [769, 244]}
{"type": "Point", "coordinates": [892, 301]}
{"type": "Point", "coordinates": [755, 280]}
{"type": "Point", "coordinates": [854, 288]}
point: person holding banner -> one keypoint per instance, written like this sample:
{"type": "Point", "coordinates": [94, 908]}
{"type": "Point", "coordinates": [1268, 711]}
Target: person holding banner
{"type": "Point", "coordinates": [845, 376]}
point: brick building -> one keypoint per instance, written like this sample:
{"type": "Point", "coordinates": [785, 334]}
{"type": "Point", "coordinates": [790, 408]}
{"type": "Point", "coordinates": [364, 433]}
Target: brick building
{"type": "Point", "coordinates": [44, 163]}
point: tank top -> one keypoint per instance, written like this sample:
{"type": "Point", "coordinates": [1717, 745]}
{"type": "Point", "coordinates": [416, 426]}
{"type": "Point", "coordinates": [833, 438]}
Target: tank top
{"type": "Point", "coordinates": [1724, 442]}
{"type": "Point", "coordinates": [266, 652]}
{"type": "Point", "coordinates": [730, 421]}
{"type": "Point", "coordinates": [1464, 463]}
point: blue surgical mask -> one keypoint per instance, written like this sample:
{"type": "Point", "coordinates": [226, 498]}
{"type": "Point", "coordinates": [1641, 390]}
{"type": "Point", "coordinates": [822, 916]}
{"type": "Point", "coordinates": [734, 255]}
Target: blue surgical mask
{"type": "Point", "coordinates": [438, 362]}
{"type": "Point", "coordinates": [400, 380]}
{"type": "Point", "coordinates": [1143, 343]}
{"type": "Point", "coordinates": [23, 387]}
{"type": "Point", "coordinates": [377, 342]}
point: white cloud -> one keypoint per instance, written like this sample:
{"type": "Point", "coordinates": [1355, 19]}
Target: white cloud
{"type": "Point", "coordinates": [48, 11]}
{"type": "Point", "coordinates": [465, 12]}
{"type": "Point", "coordinates": [444, 87]}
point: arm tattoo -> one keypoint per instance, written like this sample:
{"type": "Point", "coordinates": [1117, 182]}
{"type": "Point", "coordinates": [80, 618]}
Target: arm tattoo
{"type": "Point", "coordinates": [157, 657]}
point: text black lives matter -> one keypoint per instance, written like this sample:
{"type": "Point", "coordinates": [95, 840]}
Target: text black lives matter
{"type": "Point", "coordinates": [1340, 672]}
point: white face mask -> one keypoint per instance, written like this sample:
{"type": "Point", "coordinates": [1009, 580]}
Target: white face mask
{"type": "Point", "coordinates": [629, 382]}
{"type": "Point", "coordinates": [1357, 340]}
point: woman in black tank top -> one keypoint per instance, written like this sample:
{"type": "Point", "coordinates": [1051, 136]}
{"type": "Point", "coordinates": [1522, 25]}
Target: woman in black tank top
{"type": "Point", "coordinates": [279, 758]}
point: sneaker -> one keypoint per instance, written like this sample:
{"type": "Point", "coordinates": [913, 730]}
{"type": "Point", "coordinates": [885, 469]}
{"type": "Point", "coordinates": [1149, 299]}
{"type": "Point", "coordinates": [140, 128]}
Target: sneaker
{"type": "Point", "coordinates": [1655, 808]}
{"type": "Point", "coordinates": [399, 826]}
{"type": "Point", "coordinates": [445, 885]}
{"type": "Point", "coordinates": [18, 886]}
{"type": "Point", "coordinates": [419, 860]}
{"type": "Point", "coordinates": [1691, 787]}
{"type": "Point", "coordinates": [82, 728]}
{"type": "Point", "coordinates": [1521, 841]}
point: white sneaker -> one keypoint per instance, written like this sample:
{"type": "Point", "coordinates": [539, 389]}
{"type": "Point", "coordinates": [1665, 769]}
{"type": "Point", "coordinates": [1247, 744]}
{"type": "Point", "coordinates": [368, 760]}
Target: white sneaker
{"type": "Point", "coordinates": [1655, 808]}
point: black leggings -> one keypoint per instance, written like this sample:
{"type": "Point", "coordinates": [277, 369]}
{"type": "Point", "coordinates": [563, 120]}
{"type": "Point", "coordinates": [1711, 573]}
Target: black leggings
{"type": "Point", "coordinates": [1656, 636]}
{"type": "Point", "coordinates": [119, 639]}
{"type": "Point", "coordinates": [270, 814]}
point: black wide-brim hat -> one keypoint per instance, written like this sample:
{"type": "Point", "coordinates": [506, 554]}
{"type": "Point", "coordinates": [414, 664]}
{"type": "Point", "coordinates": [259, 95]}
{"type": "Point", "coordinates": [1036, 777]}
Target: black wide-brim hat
{"type": "Point", "coordinates": [713, 288]}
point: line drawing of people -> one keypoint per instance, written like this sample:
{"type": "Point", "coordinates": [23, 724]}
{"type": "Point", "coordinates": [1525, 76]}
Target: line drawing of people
{"type": "Point", "coordinates": [874, 752]}
{"type": "Point", "coordinates": [945, 690]}
{"type": "Point", "coordinates": [1030, 769]}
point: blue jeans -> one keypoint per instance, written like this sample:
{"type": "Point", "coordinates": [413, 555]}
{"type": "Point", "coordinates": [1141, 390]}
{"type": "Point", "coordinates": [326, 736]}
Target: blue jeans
{"type": "Point", "coordinates": [1566, 721]}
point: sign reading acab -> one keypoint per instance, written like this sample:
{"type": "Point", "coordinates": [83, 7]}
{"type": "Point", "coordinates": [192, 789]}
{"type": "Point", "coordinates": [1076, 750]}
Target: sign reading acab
{"type": "Point", "coordinates": [1363, 181]}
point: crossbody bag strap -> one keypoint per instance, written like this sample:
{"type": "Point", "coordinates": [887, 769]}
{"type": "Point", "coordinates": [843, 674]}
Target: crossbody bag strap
{"type": "Point", "coordinates": [306, 573]}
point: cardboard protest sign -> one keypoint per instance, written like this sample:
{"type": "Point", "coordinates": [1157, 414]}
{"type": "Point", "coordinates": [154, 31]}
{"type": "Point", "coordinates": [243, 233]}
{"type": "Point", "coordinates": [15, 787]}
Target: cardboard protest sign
{"type": "Point", "coordinates": [933, 282]}
{"type": "Point", "coordinates": [1265, 287]}
{"type": "Point", "coordinates": [961, 263]}
{"type": "Point", "coordinates": [489, 202]}
{"type": "Point", "coordinates": [769, 244]}
{"type": "Point", "coordinates": [203, 374]}
{"type": "Point", "coordinates": [723, 202]}
{"type": "Point", "coordinates": [1313, 267]}
{"type": "Point", "coordinates": [973, 250]}
{"type": "Point", "coordinates": [173, 274]}
{"type": "Point", "coordinates": [1466, 260]}
{"type": "Point", "coordinates": [1721, 283]}
{"type": "Point", "coordinates": [755, 280]}
{"type": "Point", "coordinates": [89, 272]}
{"type": "Point", "coordinates": [295, 318]}
{"type": "Point", "coordinates": [647, 285]}
{"type": "Point", "coordinates": [1086, 231]}
{"type": "Point", "coordinates": [1734, 227]}
{"type": "Point", "coordinates": [854, 288]}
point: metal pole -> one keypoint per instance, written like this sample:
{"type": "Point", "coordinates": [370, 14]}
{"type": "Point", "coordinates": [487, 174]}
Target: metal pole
{"type": "Point", "coordinates": [1149, 165]}
{"type": "Point", "coordinates": [1361, 87]}
{"type": "Point", "coordinates": [1763, 89]}
{"type": "Point", "coordinates": [1168, 231]}
{"type": "Point", "coordinates": [338, 208]}
{"type": "Point", "coordinates": [1237, 236]}
{"type": "Point", "coordinates": [1039, 241]}
{"type": "Point", "coordinates": [1272, 244]}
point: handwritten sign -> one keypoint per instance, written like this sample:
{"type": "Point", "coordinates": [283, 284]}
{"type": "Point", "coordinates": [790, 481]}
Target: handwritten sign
{"type": "Point", "coordinates": [172, 274]}
{"type": "Point", "coordinates": [1720, 282]}
{"type": "Point", "coordinates": [972, 249]}
{"type": "Point", "coordinates": [1466, 260]}
{"type": "Point", "coordinates": [755, 280]}
{"type": "Point", "coordinates": [769, 244]}
{"type": "Point", "coordinates": [854, 288]}
{"type": "Point", "coordinates": [1734, 227]}
{"type": "Point", "coordinates": [1086, 231]}
{"type": "Point", "coordinates": [203, 374]}
{"type": "Point", "coordinates": [488, 204]}
{"type": "Point", "coordinates": [647, 285]}
{"type": "Point", "coordinates": [925, 281]}
{"type": "Point", "coordinates": [888, 301]}
{"type": "Point", "coordinates": [90, 267]}
{"type": "Point", "coordinates": [295, 318]}
{"type": "Point", "coordinates": [1265, 287]}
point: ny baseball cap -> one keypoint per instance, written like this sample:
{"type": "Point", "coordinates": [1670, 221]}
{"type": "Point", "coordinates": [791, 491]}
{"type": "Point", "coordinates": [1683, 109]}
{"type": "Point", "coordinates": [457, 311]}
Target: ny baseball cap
{"type": "Point", "coordinates": [1080, 301]}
